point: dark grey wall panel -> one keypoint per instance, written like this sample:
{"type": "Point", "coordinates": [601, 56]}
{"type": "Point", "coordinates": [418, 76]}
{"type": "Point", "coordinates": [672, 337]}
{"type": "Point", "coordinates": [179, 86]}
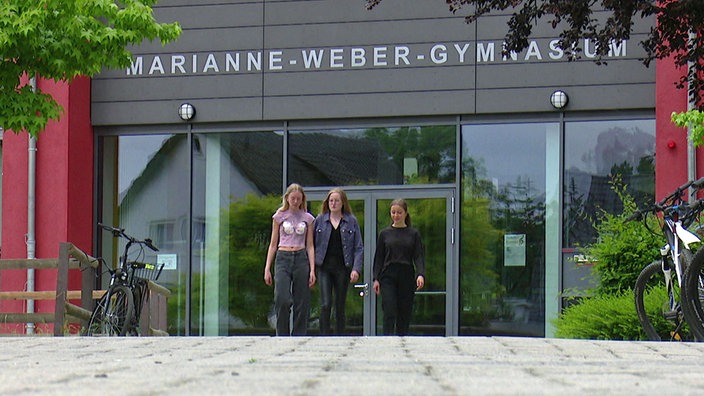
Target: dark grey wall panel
{"type": "Point", "coordinates": [166, 111]}
{"type": "Point", "coordinates": [369, 81]}
{"type": "Point", "coordinates": [301, 59]}
{"type": "Point", "coordinates": [380, 32]}
{"type": "Point", "coordinates": [372, 105]}
{"type": "Point", "coordinates": [218, 39]}
{"type": "Point", "coordinates": [209, 87]}
{"type": "Point", "coordinates": [595, 97]}
{"type": "Point", "coordinates": [344, 11]}
{"type": "Point", "coordinates": [558, 74]}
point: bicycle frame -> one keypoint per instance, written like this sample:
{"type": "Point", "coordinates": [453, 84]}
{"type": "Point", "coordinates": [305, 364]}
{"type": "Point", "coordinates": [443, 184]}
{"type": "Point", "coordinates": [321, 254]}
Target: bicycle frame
{"type": "Point", "coordinates": [676, 235]}
{"type": "Point", "coordinates": [119, 309]}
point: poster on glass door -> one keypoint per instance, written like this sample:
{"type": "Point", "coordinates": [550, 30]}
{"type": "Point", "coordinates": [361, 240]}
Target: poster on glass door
{"type": "Point", "coordinates": [515, 250]}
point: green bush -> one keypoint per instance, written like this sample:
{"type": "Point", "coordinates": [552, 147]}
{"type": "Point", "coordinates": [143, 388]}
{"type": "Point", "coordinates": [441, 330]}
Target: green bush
{"type": "Point", "coordinates": [623, 248]}
{"type": "Point", "coordinates": [606, 317]}
{"type": "Point", "coordinates": [612, 317]}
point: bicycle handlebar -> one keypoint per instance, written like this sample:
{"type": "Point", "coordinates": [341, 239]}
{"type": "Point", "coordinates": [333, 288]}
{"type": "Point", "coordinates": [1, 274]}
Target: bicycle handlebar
{"type": "Point", "coordinates": [120, 232]}
{"type": "Point", "coordinates": [698, 184]}
{"type": "Point", "coordinates": [637, 215]}
{"type": "Point", "coordinates": [688, 212]}
{"type": "Point", "coordinates": [670, 201]}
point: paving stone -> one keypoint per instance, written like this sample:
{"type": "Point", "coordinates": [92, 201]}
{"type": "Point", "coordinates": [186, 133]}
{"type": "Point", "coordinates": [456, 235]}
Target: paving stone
{"type": "Point", "coordinates": [347, 366]}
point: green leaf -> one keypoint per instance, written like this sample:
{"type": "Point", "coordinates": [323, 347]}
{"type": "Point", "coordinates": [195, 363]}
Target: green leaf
{"type": "Point", "coordinates": [61, 39]}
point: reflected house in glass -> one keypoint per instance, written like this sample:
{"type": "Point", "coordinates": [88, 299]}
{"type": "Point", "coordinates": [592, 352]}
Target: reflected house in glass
{"type": "Point", "coordinates": [324, 159]}
{"type": "Point", "coordinates": [252, 163]}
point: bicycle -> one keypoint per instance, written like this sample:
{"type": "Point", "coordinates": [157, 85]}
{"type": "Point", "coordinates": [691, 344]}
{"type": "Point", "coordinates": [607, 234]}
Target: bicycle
{"type": "Point", "coordinates": [694, 289]}
{"type": "Point", "coordinates": [675, 255]}
{"type": "Point", "coordinates": [118, 311]}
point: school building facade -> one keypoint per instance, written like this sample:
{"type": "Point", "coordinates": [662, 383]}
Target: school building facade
{"type": "Point", "coordinates": [503, 159]}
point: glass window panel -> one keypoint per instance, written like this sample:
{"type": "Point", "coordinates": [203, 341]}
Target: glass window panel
{"type": "Point", "coordinates": [372, 156]}
{"type": "Point", "coordinates": [503, 229]}
{"type": "Point", "coordinates": [596, 152]}
{"type": "Point", "coordinates": [237, 179]}
{"type": "Point", "coordinates": [145, 188]}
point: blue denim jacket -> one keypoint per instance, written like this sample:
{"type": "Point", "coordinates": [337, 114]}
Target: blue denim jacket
{"type": "Point", "coordinates": [352, 247]}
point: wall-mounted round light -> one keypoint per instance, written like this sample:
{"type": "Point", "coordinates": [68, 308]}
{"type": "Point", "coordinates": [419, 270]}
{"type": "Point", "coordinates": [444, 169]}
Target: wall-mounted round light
{"type": "Point", "coordinates": [186, 111]}
{"type": "Point", "coordinates": [559, 99]}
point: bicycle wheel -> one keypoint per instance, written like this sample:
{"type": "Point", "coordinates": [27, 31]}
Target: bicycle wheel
{"type": "Point", "coordinates": [95, 323]}
{"type": "Point", "coordinates": [140, 296]}
{"type": "Point", "coordinates": [693, 296]}
{"type": "Point", "coordinates": [658, 311]}
{"type": "Point", "coordinates": [114, 313]}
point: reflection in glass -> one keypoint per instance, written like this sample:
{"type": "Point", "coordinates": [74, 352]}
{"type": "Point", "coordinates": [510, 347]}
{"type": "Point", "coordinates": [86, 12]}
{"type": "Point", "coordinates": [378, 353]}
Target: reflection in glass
{"type": "Point", "coordinates": [145, 185]}
{"type": "Point", "coordinates": [503, 229]}
{"type": "Point", "coordinates": [237, 180]}
{"type": "Point", "coordinates": [344, 157]}
{"type": "Point", "coordinates": [595, 153]}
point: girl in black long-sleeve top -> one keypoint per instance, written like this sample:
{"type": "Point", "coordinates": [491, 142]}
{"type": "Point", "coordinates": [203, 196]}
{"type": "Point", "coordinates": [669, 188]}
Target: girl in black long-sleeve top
{"type": "Point", "coordinates": [399, 269]}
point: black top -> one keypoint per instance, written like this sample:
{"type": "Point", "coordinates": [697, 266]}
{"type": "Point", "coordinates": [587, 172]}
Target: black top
{"type": "Point", "coordinates": [334, 254]}
{"type": "Point", "coordinates": [401, 246]}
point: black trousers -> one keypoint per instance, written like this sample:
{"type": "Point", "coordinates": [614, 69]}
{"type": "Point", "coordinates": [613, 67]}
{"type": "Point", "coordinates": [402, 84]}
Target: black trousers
{"type": "Point", "coordinates": [398, 287]}
{"type": "Point", "coordinates": [334, 279]}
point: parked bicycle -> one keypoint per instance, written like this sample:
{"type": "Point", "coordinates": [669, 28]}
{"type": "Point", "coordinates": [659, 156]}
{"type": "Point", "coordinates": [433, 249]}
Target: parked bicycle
{"type": "Point", "coordinates": [117, 313]}
{"type": "Point", "coordinates": [669, 271]}
{"type": "Point", "coordinates": [694, 289]}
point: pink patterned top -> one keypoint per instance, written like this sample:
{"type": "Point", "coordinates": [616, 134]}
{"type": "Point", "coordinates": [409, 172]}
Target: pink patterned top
{"type": "Point", "coordinates": [293, 226]}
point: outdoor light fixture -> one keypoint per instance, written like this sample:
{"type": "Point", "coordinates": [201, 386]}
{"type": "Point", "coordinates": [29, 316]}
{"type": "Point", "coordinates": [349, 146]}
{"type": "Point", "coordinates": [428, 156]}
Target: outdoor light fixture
{"type": "Point", "coordinates": [559, 99]}
{"type": "Point", "coordinates": [186, 111]}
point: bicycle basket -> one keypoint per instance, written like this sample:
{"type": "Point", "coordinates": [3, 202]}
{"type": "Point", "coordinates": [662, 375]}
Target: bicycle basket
{"type": "Point", "coordinates": [147, 271]}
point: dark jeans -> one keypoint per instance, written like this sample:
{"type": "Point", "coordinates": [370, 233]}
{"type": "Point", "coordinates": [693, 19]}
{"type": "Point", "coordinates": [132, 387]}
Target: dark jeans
{"type": "Point", "coordinates": [333, 278]}
{"type": "Point", "coordinates": [291, 275]}
{"type": "Point", "coordinates": [398, 286]}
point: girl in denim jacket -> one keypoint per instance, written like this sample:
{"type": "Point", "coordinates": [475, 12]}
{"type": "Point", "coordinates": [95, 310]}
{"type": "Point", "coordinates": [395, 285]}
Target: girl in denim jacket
{"type": "Point", "coordinates": [339, 254]}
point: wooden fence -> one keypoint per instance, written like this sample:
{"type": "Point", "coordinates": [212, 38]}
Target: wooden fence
{"type": "Point", "coordinates": [152, 320]}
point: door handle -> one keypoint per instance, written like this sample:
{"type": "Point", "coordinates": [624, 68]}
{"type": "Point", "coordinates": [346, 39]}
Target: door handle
{"type": "Point", "coordinates": [364, 289]}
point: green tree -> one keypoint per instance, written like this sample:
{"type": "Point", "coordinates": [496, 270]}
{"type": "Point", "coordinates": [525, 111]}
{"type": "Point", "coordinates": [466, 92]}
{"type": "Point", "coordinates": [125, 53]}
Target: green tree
{"type": "Point", "coordinates": [694, 119]}
{"type": "Point", "coordinates": [604, 22]}
{"type": "Point", "coordinates": [63, 39]}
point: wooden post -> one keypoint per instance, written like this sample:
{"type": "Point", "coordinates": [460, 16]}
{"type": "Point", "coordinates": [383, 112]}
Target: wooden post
{"type": "Point", "coordinates": [145, 315]}
{"type": "Point", "coordinates": [88, 279]}
{"type": "Point", "coordinates": [61, 289]}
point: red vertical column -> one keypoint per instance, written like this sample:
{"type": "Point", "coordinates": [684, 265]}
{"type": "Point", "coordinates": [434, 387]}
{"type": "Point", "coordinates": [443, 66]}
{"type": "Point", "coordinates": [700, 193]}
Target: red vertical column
{"type": "Point", "coordinates": [63, 192]}
{"type": "Point", "coordinates": [671, 160]}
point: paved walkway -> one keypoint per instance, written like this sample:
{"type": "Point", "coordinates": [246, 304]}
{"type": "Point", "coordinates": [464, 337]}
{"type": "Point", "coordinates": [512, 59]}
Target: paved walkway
{"type": "Point", "coordinates": [347, 366]}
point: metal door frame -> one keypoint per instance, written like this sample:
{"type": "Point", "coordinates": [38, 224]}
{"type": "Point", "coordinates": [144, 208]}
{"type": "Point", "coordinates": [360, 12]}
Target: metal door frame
{"type": "Point", "coordinates": [370, 195]}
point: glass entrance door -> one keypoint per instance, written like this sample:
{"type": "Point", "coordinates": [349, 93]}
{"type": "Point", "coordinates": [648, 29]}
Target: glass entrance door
{"type": "Point", "coordinates": [432, 213]}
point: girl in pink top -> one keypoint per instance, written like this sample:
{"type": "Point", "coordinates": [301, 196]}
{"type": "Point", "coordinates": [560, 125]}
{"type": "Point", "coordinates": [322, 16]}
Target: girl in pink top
{"type": "Point", "coordinates": [291, 249]}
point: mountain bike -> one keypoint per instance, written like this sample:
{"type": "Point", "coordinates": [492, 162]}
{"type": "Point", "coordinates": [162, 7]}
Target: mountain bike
{"type": "Point", "coordinates": [694, 289]}
{"type": "Point", "coordinates": [662, 280]}
{"type": "Point", "coordinates": [117, 313]}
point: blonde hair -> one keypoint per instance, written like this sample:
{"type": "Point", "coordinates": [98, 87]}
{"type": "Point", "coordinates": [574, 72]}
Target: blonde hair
{"type": "Point", "coordinates": [325, 205]}
{"type": "Point", "coordinates": [293, 187]}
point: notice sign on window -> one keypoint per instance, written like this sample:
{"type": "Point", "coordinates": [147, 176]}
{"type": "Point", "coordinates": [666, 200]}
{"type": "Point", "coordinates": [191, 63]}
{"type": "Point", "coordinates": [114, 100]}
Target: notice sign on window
{"type": "Point", "coordinates": [515, 250]}
{"type": "Point", "coordinates": [169, 261]}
